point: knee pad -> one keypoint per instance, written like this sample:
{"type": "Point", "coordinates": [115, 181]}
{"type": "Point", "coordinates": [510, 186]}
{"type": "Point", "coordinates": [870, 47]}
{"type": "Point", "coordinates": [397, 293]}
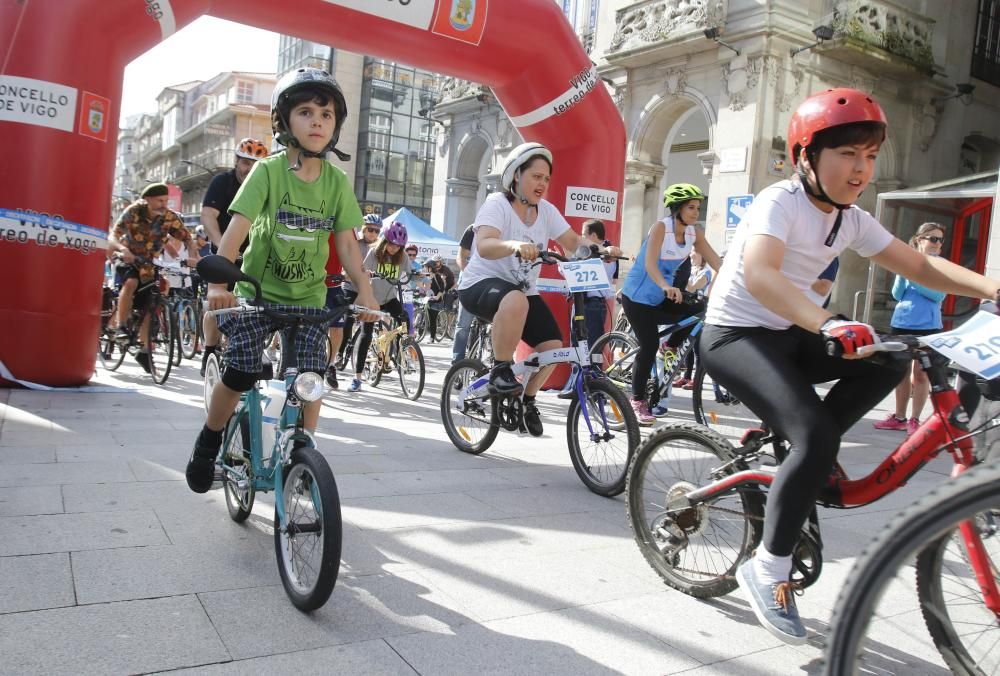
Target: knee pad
{"type": "Point", "coordinates": [238, 381]}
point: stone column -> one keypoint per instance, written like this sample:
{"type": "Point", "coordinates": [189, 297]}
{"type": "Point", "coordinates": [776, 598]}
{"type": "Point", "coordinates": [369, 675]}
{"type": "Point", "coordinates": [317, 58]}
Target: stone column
{"type": "Point", "coordinates": [640, 177]}
{"type": "Point", "coordinates": [460, 205]}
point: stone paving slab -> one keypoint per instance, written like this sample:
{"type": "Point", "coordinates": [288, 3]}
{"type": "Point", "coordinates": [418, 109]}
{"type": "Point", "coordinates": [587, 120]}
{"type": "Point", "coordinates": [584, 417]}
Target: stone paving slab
{"type": "Point", "coordinates": [373, 658]}
{"type": "Point", "coordinates": [30, 500]}
{"type": "Point", "coordinates": [130, 573]}
{"type": "Point", "coordinates": [362, 608]}
{"type": "Point", "coordinates": [35, 582]}
{"type": "Point", "coordinates": [54, 473]}
{"type": "Point", "coordinates": [21, 535]}
{"type": "Point", "coordinates": [130, 637]}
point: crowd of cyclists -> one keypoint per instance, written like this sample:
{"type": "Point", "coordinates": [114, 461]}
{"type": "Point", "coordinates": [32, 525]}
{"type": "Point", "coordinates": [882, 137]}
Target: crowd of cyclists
{"type": "Point", "coordinates": [291, 218]}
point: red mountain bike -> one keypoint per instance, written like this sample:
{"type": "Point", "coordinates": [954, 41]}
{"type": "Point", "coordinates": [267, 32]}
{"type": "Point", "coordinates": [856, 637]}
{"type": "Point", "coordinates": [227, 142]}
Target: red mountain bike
{"type": "Point", "coordinates": [696, 504]}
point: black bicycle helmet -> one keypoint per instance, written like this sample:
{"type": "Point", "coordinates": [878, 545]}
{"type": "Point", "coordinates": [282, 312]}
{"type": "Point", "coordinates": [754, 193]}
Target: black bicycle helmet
{"type": "Point", "coordinates": [302, 78]}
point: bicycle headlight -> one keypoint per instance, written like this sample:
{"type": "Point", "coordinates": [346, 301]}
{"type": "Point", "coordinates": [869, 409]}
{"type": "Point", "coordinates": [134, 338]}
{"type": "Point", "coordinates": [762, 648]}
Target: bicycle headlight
{"type": "Point", "coordinates": [309, 386]}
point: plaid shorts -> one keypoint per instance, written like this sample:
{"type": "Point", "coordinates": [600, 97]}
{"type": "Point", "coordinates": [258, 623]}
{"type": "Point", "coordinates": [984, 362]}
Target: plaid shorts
{"type": "Point", "coordinates": [247, 333]}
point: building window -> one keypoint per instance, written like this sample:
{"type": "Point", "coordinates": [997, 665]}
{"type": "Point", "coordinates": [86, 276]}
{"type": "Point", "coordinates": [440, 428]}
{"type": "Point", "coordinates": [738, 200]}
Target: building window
{"type": "Point", "coordinates": [986, 49]}
{"type": "Point", "coordinates": [244, 92]}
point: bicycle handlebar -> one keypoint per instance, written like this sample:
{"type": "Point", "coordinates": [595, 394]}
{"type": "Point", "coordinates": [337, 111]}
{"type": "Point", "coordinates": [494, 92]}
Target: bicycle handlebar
{"type": "Point", "coordinates": [289, 317]}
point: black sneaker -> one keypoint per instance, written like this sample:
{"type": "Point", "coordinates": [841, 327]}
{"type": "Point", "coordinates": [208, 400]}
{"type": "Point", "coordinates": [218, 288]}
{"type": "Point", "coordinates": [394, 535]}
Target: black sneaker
{"type": "Point", "coordinates": [532, 419]}
{"type": "Point", "coordinates": [331, 377]}
{"type": "Point", "coordinates": [502, 380]}
{"type": "Point", "coordinates": [143, 359]}
{"type": "Point", "coordinates": [122, 335]}
{"type": "Point", "coordinates": [200, 472]}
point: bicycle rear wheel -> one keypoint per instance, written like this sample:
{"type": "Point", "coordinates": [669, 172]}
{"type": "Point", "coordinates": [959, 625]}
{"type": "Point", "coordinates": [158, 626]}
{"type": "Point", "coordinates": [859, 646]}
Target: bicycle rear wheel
{"type": "Point", "coordinates": [617, 352]}
{"type": "Point", "coordinates": [419, 323]}
{"type": "Point", "coordinates": [715, 408]}
{"type": "Point", "coordinates": [468, 421]}
{"type": "Point", "coordinates": [237, 471]}
{"type": "Point", "coordinates": [411, 368]}
{"type": "Point", "coordinates": [964, 631]}
{"type": "Point", "coordinates": [109, 351]}
{"type": "Point", "coordinates": [308, 544]}
{"type": "Point", "coordinates": [161, 341]}
{"type": "Point", "coordinates": [695, 549]}
{"type": "Point", "coordinates": [601, 452]}
{"type": "Point", "coordinates": [213, 375]}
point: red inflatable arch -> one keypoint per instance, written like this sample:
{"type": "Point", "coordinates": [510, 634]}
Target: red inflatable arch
{"type": "Point", "coordinates": [60, 87]}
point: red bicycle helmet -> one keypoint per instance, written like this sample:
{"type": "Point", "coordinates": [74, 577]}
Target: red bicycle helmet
{"type": "Point", "coordinates": [831, 108]}
{"type": "Point", "coordinates": [395, 233]}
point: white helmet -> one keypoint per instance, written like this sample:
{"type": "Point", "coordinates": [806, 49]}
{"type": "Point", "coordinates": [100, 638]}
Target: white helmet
{"type": "Point", "coordinates": [518, 157]}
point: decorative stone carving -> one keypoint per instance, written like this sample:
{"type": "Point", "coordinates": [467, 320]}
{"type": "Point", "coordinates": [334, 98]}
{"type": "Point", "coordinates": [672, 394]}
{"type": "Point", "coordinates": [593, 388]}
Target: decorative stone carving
{"type": "Point", "coordinates": [444, 142]}
{"type": "Point", "coordinates": [888, 26]}
{"type": "Point", "coordinates": [453, 88]}
{"type": "Point", "coordinates": [675, 82]}
{"type": "Point", "coordinates": [648, 22]}
{"type": "Point", "coordinates": [926, 117]}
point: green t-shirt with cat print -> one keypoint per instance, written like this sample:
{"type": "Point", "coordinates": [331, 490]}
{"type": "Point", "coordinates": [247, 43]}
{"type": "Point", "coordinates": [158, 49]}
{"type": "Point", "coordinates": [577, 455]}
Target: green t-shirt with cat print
{"type": "Point", "coordinates": [291, 222]}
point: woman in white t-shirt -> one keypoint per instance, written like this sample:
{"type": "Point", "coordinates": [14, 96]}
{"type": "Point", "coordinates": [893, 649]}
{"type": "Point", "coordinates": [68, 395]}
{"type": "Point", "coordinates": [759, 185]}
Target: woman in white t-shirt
{"type": "Point", "coordinates": [765, 340]}
{"type": "Point", "coordinates": [512, 228]}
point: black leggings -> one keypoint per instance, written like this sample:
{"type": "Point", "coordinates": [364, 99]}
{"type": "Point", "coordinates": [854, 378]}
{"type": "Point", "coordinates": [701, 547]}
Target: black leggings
{"type": "Point", "coordinates": [645, 321]}
{"type": "Point", "coordinates": [394, 308]}
{"type": "Point", "coordinates": [773, 373]}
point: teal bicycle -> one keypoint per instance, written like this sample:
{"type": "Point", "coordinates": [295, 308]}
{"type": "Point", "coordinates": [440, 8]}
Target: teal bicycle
{"type": "Point", "coordinates": [308, 529]}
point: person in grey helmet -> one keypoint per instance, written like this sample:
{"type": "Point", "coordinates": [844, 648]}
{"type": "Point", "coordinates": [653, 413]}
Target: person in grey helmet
{"type": "Point", "coordinates": [512, 229]}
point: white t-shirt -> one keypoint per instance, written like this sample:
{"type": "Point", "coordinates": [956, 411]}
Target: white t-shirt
{"type": "Point", "coordinates": [784, 211]}
{"type": "Point", "coordinates": [176, 280]}
{"type": "Point", "coordinates": [498, 213]}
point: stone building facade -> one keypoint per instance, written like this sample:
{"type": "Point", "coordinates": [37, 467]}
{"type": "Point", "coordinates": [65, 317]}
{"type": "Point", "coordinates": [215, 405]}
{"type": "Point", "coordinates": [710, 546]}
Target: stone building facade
{"type": "Point", "coordinates": [697, 111]}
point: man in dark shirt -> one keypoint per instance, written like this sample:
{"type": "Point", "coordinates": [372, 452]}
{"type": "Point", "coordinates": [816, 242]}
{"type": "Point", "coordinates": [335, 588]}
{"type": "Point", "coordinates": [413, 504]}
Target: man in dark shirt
{"type": "Point", "coordinates": [215, 218]}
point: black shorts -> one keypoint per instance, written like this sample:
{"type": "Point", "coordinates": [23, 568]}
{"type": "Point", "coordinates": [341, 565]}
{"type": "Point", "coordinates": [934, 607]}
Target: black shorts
{"type": "Point", "coordinates": [335, 297]}
{"type": "Point", "coordinates": [143, 292]}
{"type": "Point", "coordinates": [483, 300]}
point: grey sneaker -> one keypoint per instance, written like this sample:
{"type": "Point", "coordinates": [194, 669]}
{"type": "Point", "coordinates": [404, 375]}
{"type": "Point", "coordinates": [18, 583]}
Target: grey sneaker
{"type": "Point", "coordinates": [773, 604]}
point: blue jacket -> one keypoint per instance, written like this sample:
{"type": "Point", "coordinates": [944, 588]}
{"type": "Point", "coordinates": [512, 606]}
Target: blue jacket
{"type": "Point", "coordinates": [918, 307]}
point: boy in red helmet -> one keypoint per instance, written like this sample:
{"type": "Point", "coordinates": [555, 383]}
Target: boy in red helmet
{"type": "Point", "coordinates": [760, 321]}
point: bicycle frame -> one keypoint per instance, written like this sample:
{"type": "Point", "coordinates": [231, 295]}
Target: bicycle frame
{"type": "Point", "coordinates": [268, 476]}
{"type": "Point", "coordinates": [577, 356]}
{"type": "Point", "coordinates": [947, 428]}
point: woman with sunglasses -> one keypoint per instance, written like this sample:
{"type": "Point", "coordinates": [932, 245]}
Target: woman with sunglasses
{"type": "Point", "coordinates": [917, 313]}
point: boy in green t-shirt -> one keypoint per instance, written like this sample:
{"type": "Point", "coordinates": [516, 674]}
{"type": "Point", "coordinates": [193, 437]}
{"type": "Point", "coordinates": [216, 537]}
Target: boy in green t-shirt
{"type": "Point", "coordinates": [289, 204]}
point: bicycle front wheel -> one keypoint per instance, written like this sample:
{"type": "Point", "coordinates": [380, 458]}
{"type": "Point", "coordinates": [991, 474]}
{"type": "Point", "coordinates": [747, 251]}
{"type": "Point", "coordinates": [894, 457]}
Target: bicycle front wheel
{"type": "Point", "coordinates": [694, 548]}
{"type": "Point", "coordinates": [161, 341]}
{"type": "Point", "coordinates": [411, 368]}
{"type": "Point", "coordinates": [189, 331]}
{"type": "Point", "coordinates": [601, 451]}
{"type": "Point", "coordinates": [468, 421]}
{"type": "Point", "coordinates": [308, 543]}
{"type": "Point", "coordinates": [963, 629]}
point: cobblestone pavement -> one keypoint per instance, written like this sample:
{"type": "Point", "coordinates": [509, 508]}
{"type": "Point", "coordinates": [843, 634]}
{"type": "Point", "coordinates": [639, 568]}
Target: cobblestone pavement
{"type": "Point", "coordinates": [452, 564]}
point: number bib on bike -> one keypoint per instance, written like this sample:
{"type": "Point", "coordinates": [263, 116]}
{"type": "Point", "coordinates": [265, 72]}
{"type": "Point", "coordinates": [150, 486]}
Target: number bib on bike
{"type": "Point", "coordinates": [975, 345]}
{"type": "Point", "coordinates": [583, 276]}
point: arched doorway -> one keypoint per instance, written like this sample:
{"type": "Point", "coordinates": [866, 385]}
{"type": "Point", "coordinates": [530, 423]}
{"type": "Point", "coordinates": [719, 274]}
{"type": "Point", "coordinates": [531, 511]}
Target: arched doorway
{"type": "Point", "coordinates": [664, 147]}
{"type": "Point", "coordinates": [466, 190]}
{"type": "Point", "coordinates": [64, 106]}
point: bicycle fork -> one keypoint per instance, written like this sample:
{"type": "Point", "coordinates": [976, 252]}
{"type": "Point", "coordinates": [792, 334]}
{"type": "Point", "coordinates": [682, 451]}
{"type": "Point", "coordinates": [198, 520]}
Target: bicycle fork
{"type": "Point", "coordinates": [981, 565]}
